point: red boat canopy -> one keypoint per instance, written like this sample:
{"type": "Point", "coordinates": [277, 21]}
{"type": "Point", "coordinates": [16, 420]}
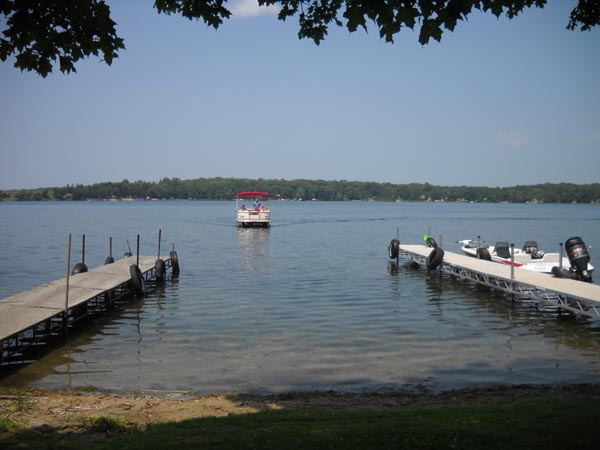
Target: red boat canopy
{"type": "Point", "coordinates": [253, 194]}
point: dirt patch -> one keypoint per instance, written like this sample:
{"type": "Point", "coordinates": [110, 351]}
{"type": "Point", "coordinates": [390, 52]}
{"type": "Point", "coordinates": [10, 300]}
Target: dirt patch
{"type": "Point", "coordinates": [68, 410]}
{"type": "Point", "coordinates": [64, 410]}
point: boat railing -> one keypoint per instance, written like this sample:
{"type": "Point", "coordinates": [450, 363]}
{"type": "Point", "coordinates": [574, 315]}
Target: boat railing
{"type": "Point", "coordinates": [252, 214]}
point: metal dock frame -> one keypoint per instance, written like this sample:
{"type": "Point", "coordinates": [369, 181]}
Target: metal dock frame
{"type": "Point", "coordinates": [577, 297]}
{"type": "Point", "coordinates": [32, 318]}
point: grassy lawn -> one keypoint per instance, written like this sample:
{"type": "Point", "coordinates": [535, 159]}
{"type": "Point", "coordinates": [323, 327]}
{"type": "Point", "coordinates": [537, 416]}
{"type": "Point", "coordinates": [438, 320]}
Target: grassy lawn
{"type": "Point", "coordinates": [553, 421]}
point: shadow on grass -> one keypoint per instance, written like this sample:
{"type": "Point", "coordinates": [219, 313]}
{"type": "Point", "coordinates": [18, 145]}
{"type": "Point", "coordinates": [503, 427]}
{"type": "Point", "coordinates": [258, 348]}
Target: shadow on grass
{"type": "Point", "coordinates": [548, 421]}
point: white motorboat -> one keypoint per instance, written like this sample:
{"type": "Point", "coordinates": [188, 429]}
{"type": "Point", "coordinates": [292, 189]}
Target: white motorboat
{"type": "Point", "coordinates": [256, 215]}
{"type": "Point", "coordinates": [530, 257]}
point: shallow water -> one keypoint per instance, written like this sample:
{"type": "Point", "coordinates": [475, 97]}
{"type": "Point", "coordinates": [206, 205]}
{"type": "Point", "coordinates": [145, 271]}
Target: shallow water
{"type": "Point", "coordinates": [309, 304]}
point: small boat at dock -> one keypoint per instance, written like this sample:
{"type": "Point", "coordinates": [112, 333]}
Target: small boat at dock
{"type": "Point", "coordinates": [530, 257]}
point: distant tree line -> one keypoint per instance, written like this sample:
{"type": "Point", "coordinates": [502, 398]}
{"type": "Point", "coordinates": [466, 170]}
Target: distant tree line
{"type": "Point", "coordinates": [226, 189]}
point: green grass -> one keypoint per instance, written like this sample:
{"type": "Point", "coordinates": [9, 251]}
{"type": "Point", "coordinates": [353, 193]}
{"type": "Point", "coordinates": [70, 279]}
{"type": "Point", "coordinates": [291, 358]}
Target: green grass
{"type": "Point", "coordinates": [107, 424]}
{"type": "Point", "coordinates": [7, 427]}
{"type": "Point", "coordinates": [21, 403]}
{"type": "Point", "coordinates": [553, 422]}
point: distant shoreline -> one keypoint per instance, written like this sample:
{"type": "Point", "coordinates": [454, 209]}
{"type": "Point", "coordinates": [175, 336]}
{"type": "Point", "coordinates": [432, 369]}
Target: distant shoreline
{"type": "Point", "coordinates": [309, 190]}
{"type": "Point", "coordinates": [105, 200]}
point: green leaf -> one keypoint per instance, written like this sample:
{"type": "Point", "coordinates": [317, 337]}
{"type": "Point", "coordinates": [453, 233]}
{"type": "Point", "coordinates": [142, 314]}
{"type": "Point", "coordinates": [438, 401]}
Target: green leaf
{"type": "Point", "coordinates": [355, 18]}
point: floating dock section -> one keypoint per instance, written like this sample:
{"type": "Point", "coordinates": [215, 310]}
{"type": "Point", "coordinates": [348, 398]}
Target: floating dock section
{"type": "Point", "coordinates": [31, 318]}
{"type": "Point", "coordinates": [577, 297]}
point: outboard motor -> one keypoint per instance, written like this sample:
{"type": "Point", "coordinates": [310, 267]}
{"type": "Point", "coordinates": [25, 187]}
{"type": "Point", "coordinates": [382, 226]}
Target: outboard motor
{"type": "Point", "coordinates": [531, 248]}
{"type": "Point", "coordinates": [579, 257]}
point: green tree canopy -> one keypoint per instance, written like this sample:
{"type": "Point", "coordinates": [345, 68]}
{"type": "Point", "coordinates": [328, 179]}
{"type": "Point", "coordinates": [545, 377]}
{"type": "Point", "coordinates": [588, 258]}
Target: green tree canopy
{"type": "Point", "coordinates": [42, 33]}
{"type": "Point", "coordinates": [327, 190]}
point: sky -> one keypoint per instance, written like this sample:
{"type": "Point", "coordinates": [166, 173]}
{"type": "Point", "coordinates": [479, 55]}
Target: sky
{"type": "Point", "coordinates": [497, 103]}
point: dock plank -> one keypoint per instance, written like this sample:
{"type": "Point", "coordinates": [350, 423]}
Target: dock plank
{"type": "Point", "coordinates": [50, 296]}
{"type": "Point", "coordinates": [572, 288]}
{"type": "Point", "coordinates": [26, 309]}
{"type": "Point", "coordinates": [93, 280]}
{"type": "Point", "coordinates": [14, 318]}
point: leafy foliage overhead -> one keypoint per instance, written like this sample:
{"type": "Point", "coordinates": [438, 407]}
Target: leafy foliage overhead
{"type": "Point", "coordinates": [41, 32]}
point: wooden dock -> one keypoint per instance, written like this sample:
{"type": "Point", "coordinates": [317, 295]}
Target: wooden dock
{"type": "Point", "coordinates": [575, 296]}
{"type": "Point", "coordinates": [32, 317]}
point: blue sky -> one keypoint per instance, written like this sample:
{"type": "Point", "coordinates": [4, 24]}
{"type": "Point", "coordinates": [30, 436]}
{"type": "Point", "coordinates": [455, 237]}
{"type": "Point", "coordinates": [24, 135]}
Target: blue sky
{"type": "Point", "coordinates": [496, 103]}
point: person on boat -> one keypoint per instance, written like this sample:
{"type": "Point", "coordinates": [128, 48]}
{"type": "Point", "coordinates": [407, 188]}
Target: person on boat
{"type": "Point", "coordinates": [243, 208]}
{"type": "Point", "coordinates": [256, 205]}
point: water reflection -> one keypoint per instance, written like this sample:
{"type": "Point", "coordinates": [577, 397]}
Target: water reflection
{"type": "Point", "coordinates": [496, 311]}
{"type": "Point", "coordinates": [253, 248]}
{"type": "Point", "coordinates": [134, 323]}
{"type": "Point", "coordinates": [55, 359]}
{"type": "Point", "coordinates": [393, 269]}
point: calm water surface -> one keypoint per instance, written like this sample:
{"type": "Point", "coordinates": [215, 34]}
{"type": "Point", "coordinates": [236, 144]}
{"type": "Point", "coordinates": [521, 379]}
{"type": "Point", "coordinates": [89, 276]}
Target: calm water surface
{"type": "Point", "coordinates": [309, 304]}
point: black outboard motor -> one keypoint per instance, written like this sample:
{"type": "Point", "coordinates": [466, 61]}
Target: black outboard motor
{"type": "Point", "coordinates": [579, 257]}
{"type": "Point", "coordinates": [531, 248]}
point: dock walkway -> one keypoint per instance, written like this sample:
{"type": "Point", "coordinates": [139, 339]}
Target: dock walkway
{"type": "Point", "coordinates": [30, 317]}
{"type": "Point", "coordinates": [575, 296]}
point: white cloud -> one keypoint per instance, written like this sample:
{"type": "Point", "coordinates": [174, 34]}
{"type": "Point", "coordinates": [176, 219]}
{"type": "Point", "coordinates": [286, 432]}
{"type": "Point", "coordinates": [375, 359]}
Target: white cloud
{"type": "Point", "coordinates": [250, 8]}
{"type": "Point", "coordinates": [514, 138]}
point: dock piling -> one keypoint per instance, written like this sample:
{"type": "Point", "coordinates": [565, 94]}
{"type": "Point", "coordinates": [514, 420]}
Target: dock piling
{"type": "Point", "coordinates": [512, 269]}
{"type": "Point", "coordinates": [561, 256]}
{"type": "Point", "coordinates": [109, 259]}
{"type": "Point", "coordinates": [159, 266]}
{"type": "Point", "coordinates": [128, 252]}
{"type": "Point", "coordinates": [80, 267]}
{"type": "Point", "coordinates": [66, 310]}
{"type": "Point", "coordinates": [159, 236]}
{"type": "Point", "coordinates": [398, 237]}
{"type": "Point", "coordinates": [512, 261]}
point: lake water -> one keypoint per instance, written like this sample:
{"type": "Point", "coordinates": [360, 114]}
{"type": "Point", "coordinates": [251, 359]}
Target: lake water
{"type": "Point", "coordinates": [309, 304]}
